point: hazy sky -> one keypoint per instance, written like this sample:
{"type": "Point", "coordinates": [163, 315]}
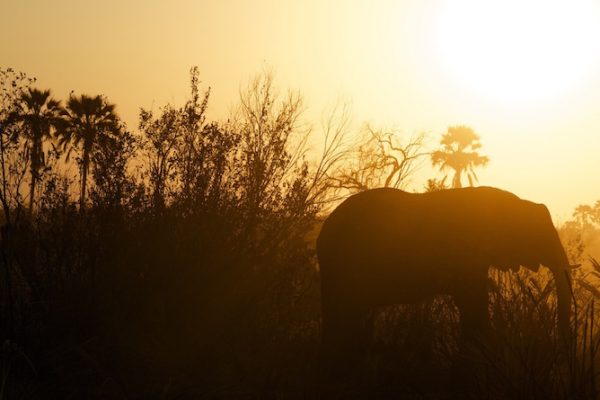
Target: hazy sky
{"type": "Point", "coordinates": [524, 74]}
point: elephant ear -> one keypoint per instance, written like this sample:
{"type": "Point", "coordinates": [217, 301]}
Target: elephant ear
{"type": "Point", "coordinates": [516, 239]}
{"type": "Point", "coordinates": [534, 240]}
{"type": "Point", "coordinates": [500, 244]}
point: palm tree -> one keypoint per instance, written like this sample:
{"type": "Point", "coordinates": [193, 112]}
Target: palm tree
{"type": "Point", "coordinates": [459, 145]}
{"type": "Point", "coordinates": [38, 112]}
{"type": "Point", "coordinates": [90, 123]}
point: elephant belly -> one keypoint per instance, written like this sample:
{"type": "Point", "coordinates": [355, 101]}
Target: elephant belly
{"type": "Point", "coordinates": [406, 286]}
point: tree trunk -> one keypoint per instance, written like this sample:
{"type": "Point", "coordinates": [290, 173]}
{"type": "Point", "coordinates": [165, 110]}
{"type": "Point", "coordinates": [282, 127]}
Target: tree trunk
{"type": "Point", "coordinates": [456, 182]}
{"type": "Point", "coordinates": [32, 191]}
{"type": "Point", "coordinates": [84, 170]}
{"type": "Point", "coordinates": [35, 167]}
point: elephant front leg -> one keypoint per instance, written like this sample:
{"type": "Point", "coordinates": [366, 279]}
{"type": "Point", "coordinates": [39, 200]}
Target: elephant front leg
{"type": "Point", "coordinates": [471, 298]}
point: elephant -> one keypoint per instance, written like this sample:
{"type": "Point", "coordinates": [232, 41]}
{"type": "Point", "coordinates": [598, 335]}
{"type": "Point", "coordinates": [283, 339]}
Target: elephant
{"type": "Point", "coordinates": [386, 246]}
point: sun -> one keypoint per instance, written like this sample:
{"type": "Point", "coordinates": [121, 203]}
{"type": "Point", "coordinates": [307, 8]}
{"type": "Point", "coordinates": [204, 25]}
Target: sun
{"type": "Point", "coordinates": [519, 50]}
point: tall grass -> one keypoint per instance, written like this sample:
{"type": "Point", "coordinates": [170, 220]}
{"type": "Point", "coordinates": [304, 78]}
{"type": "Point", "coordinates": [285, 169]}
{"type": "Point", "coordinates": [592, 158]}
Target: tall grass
{"type": "Point", "coordinates": [418, 352]}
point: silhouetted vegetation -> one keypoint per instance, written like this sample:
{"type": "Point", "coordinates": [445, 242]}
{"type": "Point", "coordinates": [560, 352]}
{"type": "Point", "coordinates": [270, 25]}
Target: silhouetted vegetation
{"type": "Point", "coordinates": [380, 159]}
{"type": "Point", "coordinates": [177, 260]}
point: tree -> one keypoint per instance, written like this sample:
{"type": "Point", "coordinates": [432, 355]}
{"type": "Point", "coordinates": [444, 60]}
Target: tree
{"type": "Point", "coordinates": [90, 122]}
{"type": "Point", "coordinates": [381, 160]}
{"type": "Point", "coordinates": [336, 150]}
{"type": "Point", "coordinates": [193, 118]}
{"type": "Point", "coordinates": [189, 161]}
{"type": "Point", "coordinates": [586, 215]}
{"type": "Point", "coordinates": [459, 153]}
{"type": "Point", "coordinates": [272, 142]}
{"type": "Point", "coordinates": [113, 187]}
{"type": "Point", "coordinates": [38, 112]}
{"type": "Point", "coordinates": [162, 135]}
{"type": "Point", "coordinates": [12, 159]}
{"type": "Point", "coordinates": [581, 234]}
{"type": "Point", "coordinates": [276, 191]}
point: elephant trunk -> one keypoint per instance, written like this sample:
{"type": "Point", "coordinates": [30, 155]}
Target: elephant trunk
{"type": "Point", "coordinates": [561, 271]}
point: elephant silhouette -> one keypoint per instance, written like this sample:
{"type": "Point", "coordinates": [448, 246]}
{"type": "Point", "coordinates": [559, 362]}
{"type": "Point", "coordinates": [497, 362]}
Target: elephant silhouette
{"type": "Point", "coordinates": [386, 246]}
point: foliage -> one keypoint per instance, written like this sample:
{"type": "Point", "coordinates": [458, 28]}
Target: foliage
{"type": "Point", "coordinates": [434, 185]}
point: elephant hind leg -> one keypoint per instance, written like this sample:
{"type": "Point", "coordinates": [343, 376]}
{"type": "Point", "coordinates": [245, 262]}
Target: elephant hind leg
{"type": "Point", "coordinates": [346, 332]}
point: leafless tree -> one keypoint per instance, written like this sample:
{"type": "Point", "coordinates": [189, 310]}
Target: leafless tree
{"type": "Point", "coordinates": [381, 159]}
{"type": "Point", "coordinates": [335, 151]}
{"type": "Point", "coordinates": [273, 140]}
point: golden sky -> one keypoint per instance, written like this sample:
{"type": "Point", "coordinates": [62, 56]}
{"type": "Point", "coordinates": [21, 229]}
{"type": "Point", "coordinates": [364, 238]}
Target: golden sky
{"type": "Point", "coordinates": [524, 74]}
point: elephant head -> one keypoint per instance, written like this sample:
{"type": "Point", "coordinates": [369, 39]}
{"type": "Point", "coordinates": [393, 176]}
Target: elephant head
{"type": "Point", "coordinates": [525, 236]}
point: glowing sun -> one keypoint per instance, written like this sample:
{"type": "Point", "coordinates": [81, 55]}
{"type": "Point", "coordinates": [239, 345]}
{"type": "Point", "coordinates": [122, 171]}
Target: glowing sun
{"type": "Point", "coordinates": [519, 50]}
